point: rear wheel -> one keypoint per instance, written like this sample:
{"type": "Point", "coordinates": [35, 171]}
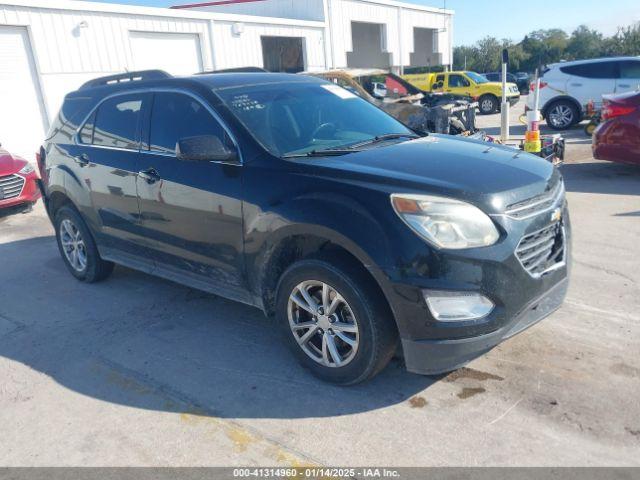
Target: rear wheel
{"type": "Point", "coordinates": [78, 249]}
{"type": "Point", "coordinates": [561, 115]}
{"type": "Point", "coordinates": [488, 104]}
{"type": "Point", "coordinates": [335, 320]}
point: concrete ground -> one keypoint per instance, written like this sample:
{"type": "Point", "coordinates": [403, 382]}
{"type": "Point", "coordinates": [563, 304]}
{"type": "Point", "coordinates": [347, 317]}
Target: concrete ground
{"type": "Point", "coordinates": [140, 371]}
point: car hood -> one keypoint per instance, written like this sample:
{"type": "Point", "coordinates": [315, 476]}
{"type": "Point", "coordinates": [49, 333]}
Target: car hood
{"type": "Point", "coordinates": [10, 164]}
{"type": "Point", "coordinates": [483, 173]}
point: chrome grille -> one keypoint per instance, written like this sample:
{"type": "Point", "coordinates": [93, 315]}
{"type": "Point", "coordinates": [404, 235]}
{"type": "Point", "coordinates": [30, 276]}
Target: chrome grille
{"type": "Point", "coordinates": [11, 186]}
{"type": "Point", "coordinates": [538, 204]}
{"type": "Point", "coordinates": [542, 251]}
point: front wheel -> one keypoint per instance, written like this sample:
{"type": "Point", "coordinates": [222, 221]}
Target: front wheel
{"type": "Point", "coordinates": [335, 320]}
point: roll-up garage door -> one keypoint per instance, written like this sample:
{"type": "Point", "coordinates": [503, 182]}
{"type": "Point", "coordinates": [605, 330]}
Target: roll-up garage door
{"type": "Point", "coordinates": [176, 53]}
{"type": "Point", "coordinates": [22, 114]}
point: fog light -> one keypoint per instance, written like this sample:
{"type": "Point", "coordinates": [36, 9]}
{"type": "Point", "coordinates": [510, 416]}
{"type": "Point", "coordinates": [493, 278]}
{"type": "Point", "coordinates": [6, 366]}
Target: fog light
{"type": "Point", "coordinates": [457, 306]}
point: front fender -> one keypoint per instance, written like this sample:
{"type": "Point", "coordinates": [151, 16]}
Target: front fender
{"type": "Point", "coordinates": [334, 218]}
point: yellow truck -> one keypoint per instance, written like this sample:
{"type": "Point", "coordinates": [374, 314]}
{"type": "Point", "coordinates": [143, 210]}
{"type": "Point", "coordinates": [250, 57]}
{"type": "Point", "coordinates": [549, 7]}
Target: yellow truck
{"type": "Point", "coordinates": [471, 84]}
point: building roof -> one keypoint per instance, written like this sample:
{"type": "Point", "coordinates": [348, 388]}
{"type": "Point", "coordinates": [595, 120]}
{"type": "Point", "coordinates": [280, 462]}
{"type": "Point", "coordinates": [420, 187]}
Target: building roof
{"type": "Point", "coordinates": [392, 3]}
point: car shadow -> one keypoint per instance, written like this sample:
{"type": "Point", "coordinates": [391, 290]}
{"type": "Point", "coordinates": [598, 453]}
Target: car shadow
{"type": "Point", "coordinates": [143, 342]}
{"type": "Point", "coordinates": [602, 177]}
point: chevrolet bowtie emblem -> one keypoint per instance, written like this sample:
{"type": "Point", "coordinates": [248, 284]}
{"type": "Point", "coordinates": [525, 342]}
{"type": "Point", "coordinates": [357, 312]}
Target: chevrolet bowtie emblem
{"type": "Point", "coordinates": [556, 215]}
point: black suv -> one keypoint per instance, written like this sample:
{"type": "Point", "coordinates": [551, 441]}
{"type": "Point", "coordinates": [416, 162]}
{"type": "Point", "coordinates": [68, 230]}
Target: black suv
{"type": "Point", "coordinates": [293, 195]}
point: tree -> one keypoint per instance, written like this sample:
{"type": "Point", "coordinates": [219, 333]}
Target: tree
{"type": "Point", "coordinates": [489, 55]}
{"type": "Point", "coordinates": [584, 43]}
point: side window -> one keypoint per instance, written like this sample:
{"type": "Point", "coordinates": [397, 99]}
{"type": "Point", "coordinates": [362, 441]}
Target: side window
{"type": "Point", "coordinates": [86, 133]}
{"type": "Point", "coordinates": [596, 70]}
{"type": "Point", "coordinates": [456, 80]}
{"type": "Point", "coordinates": [630, 69]}
{"type": "Point", "coordinates": [175, 116]}
{"type": "Point", "coordinates": [116, 122]}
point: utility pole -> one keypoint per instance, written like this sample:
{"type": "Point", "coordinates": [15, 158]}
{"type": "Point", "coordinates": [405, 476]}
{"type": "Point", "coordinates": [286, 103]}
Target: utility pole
{"type": "Point", "coordinates": [504, 108]}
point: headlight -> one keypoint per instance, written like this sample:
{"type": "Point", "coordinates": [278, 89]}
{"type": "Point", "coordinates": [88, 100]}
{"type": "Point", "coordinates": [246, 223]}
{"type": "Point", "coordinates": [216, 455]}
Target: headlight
{"type": "Point", "coordinates": [27, 169]}
{"type": "Point", "coordinates": [444, 222]}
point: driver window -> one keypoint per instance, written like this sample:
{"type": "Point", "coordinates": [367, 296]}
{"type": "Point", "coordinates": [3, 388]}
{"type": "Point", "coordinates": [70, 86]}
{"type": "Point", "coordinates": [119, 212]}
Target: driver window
{"type": "Point", "coordinates": [456, 80]}
{"type": "Point", "coordinates": [175, 116]}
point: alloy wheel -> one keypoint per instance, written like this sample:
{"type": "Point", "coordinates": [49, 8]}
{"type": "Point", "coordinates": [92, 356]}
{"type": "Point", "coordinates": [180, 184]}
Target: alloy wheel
{"type": "Point", "coordinates": [73, 245]}
{"type": "Point", "coordinates": [561, 116]}
{"type": "Point", "coordinates": [487, 105]}
{"type": "Point", "coordinates": [323, 324]}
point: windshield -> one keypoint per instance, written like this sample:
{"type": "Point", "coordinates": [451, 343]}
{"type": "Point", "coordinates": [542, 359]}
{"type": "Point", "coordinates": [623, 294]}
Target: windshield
{"type": "Point", "coordinates": [298, 118]}
{"type": "Point", "coordinates": [476, 77]}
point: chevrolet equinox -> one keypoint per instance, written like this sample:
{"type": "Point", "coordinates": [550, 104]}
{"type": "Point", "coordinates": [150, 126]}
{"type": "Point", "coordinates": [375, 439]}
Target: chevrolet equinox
{"type": "Point", "coordinates": [293, 195]}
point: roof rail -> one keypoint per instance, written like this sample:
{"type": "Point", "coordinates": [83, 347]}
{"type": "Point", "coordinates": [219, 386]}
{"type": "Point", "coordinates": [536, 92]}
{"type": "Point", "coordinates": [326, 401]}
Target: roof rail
{"type": "Point", "coordinates": [236, 70]}
{"type": "Point", "coordinates": [126, 77]}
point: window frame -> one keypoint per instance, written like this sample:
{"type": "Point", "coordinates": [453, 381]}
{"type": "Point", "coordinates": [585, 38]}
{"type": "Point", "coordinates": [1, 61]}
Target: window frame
{"type": "Point", "coordinates": [145, 119]}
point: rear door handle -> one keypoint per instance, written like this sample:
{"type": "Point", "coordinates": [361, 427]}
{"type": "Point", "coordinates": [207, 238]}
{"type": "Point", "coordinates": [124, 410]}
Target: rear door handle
{"type": "Point", "coordinates": [150, 175]}
{"type": "Point", "coordinates": [576, 84]}
{"type": "Point", "coordinates": [82, 160]}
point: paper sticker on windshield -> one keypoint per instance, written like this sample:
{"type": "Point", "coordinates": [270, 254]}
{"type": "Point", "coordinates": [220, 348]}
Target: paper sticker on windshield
{"type": "Point", "coordinates": [339, 91]}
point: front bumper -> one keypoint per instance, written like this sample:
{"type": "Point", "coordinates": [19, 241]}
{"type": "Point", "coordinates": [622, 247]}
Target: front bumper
{"type": "Point", "coordinates": [431, 357]}
{"type": "Point", "coordinates": [513, 101]}
{"type": "Point", "coordinates": [29, 194]}
{"type": "Point", "coordinates": [520, 298]}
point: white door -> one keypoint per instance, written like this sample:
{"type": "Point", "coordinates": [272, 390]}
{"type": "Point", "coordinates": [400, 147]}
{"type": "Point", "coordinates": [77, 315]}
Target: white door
{"type": "Point", "coordinates": [22, 116]}
{"type": "Point", "coordinates": [176, 53]}
{"type": "Point", "coordinates": [629, 76]}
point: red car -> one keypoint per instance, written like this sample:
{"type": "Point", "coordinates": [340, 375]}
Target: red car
{"type": "Point", "coordinates": [617, 138]}
{"type": "Point", "coordinates": [18, 187]}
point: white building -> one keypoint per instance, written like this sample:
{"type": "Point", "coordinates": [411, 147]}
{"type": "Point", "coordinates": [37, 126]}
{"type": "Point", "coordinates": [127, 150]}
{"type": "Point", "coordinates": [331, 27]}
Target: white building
{"type": "Point", "coordinates": [51, 47]}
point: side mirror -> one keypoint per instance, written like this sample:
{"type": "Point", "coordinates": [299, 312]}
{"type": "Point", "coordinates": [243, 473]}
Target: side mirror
{"type": "Point", "coordinates": [204, 148]}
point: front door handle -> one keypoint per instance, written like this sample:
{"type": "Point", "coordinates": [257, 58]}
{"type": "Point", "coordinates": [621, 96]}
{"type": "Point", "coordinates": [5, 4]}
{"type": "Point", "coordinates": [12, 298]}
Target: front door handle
{"type": "Point", "coordinates": [624, 85]}
{"type": "Point", "coordinates": [150, 175]}
{"type": "Point", "coordinates": [82, 160]}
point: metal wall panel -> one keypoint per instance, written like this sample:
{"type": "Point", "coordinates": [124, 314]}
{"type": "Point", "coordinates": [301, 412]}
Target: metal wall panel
{"type": "Point", "coordinates": [231, 50]}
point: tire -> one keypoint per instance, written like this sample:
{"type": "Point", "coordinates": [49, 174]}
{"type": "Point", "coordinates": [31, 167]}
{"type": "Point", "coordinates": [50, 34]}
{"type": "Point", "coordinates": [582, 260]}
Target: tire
{"type": "Point", "coordinates": [488, 104]}
{"type": "Point", "coordinates": [78, 248]}
{"type": "Point", "coordinates": [562, 115]}
{"type": "Point", "coordinates": [365, 320]}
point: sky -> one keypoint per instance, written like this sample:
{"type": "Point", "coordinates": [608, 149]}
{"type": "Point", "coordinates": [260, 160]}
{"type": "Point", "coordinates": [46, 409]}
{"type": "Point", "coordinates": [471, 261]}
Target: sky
{"type": "Point", "coordinates": [475, 19]}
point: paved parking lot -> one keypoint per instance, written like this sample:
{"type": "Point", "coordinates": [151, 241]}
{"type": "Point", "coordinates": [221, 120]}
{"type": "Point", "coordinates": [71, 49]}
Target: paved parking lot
{"type": "Point", "coordinates": [140, 371]}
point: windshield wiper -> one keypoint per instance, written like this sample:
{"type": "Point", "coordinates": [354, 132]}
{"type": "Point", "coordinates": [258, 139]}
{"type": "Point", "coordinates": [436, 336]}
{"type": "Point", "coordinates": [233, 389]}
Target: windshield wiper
{"type": "Point", "coordinates": [321, 153]}
{"type": "Point", "coordinates": [383, 138]}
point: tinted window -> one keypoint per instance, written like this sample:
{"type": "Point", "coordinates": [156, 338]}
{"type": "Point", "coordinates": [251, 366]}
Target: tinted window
{"type": "Point", "coordinates": [593, 70]}
{"type": "Point", "coordinates": [630, 69]}
{"type": "Point", "coordinates": [458, 81]}
{"type": "Point", "coordinates": [175, 116]}
{"type": "Point", "coordinates": [494, 77]}
{"type": "Point", "coordinates": [116, 122]}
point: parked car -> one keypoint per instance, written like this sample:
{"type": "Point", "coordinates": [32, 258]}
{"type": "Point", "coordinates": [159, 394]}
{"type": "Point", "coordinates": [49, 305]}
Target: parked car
{"type": "Point", "coordinates": [617, 138]}
{"type": "Point", "coordinates": [471, 84]}
{"type": "Point", "coordinates": [566, 88]}
{"type": "Point", "coordinates": [421, 111]}
{"type": "Point", "coordinates": [18, 188]}
{"type": "Point", "coordinates": [293, 195]}
{"type": "Point", "coordinates": [522, 83]}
